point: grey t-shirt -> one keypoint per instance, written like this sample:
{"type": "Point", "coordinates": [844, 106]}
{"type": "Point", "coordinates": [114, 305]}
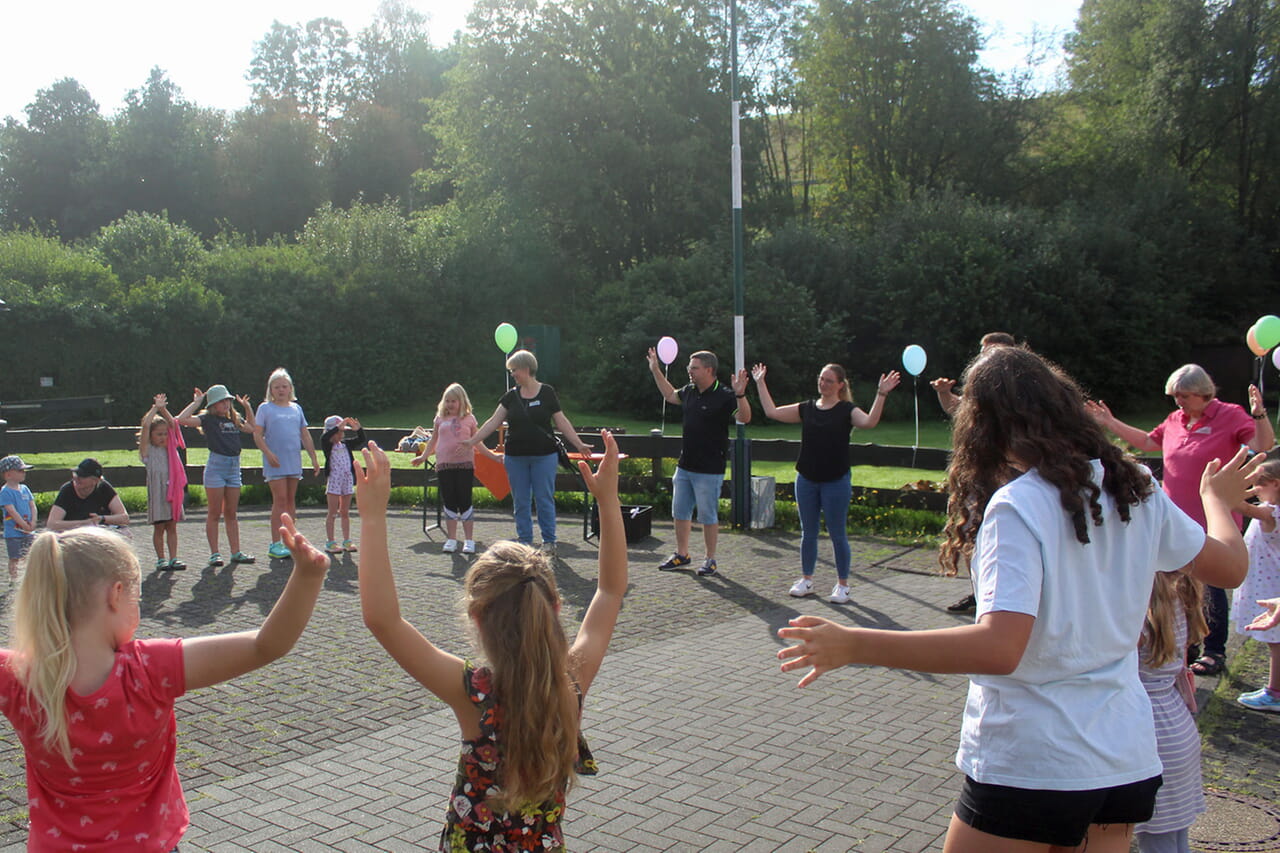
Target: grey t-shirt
{"type": "Point", "coordinates": [222, 434]}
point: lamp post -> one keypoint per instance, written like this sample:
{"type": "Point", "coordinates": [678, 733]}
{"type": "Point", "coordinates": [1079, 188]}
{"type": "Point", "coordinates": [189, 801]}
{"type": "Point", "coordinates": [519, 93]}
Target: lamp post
{"type": "Point", "coordinates": [741, 463]}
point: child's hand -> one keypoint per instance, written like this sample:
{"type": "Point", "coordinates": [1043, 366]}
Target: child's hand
{"type": "Point", "coordinates": [759, 372]}
{"type": "Point", "coordinates": [272, 459]}
{"type": "Point", "coordinates": [1268, 618]}
{"type": "Point", "coordinates": [243, 400]}
{"type": "Point", "coordinates": [306, 557]}
{"type": "Point", "coordinates": [197, 395]}
{"type": "Point", "coordinates": [604, 482]}
{"type": "Point", "coordinates": [354, 423]}
{"type": "Point", "coordinates": [159, 402]}
{"type": "Point", "coordinates": [373, 480]}
{"type": "Point", "coordinates": [822, 644]}
{"type": "Point", "coordinates": [1229, 482]}
{"type": "Point", "coordinates": [417, 460]}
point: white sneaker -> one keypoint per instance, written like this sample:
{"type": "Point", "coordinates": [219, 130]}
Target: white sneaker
{"type": "Point", "coordinates": [450, 545]}
{"type": "Point", "coordinates": [469, 547]}
{"type": "Point", "coordinates": [839, 594]}
{"type": "Point", "coordinates": [548, 548]}
{"type": "Point", "coordinates": [802, 587]}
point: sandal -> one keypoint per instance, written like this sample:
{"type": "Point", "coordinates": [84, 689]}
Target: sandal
{"type": "Point", "coordinates": [331, 547]}
{"type": "Point", "coordinates": [1208, 664]}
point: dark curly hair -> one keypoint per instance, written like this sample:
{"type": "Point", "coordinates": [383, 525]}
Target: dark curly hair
{"type": "Point", "coordinates": [1019, 407]}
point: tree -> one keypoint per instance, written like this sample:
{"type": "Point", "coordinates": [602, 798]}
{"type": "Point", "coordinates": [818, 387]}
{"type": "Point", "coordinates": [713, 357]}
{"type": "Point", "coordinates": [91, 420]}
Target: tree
{"type": "Point", "coordinates": [164, 155]}
{"type": "Point", "coordinates": [605, 119]}
{"type": "Point", "coordinates": [274, 180]}
{"type": "Point", "coordinates": [310, 66]}
{"type": "Point", "coordinates": [899, 100]}
{"type": "Point", "coordinates": [141, 246]}
{"type": "Point", "coordinates": [51, 169]}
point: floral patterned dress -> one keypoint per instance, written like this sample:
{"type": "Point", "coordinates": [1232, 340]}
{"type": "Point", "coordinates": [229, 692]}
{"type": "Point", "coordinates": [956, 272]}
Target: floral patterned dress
{"type": "Point", "coordinates": [471, 824]}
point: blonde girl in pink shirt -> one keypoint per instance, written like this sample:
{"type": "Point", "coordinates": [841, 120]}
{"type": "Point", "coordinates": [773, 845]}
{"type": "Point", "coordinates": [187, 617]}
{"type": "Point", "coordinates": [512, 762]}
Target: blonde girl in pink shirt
{"type": "Point", "coordinates": [93, 705]}
{"type": "Point", "coordinates": [455, 464]}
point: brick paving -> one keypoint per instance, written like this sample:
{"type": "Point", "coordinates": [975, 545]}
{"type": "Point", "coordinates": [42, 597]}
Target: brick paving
{"type": "Point", "coordinates": [703, 744]}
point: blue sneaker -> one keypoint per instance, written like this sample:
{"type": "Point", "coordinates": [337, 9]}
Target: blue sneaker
{"type": "Point", "coordinates": [277, 551]}
{"type": "Point", "coordinates": [707, 569]}
{"type": "Point", "coordinates": [1260, 701]}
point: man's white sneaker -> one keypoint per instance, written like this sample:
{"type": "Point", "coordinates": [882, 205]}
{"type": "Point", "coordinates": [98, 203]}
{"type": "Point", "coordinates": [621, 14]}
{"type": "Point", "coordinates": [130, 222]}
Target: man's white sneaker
{"type": "Point", "coordinates": [802, 587]}
{"type": "Point", "coordinates": [450, 545]}
{"type": "Point", "coordinates": [839, 594]}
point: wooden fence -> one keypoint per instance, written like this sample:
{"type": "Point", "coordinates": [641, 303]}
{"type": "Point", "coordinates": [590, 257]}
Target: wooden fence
{"type": "Point", "coordinates": [89, 440]}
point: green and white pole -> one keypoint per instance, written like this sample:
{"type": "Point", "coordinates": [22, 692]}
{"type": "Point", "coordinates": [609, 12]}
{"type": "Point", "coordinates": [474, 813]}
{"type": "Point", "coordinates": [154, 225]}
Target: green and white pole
{"type": "Point", "coordinates": [741, 467]}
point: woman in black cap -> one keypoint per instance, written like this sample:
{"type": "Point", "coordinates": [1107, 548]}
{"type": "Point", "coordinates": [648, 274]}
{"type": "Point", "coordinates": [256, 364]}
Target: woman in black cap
{"type": "Point", "coordinates": [86, 500]}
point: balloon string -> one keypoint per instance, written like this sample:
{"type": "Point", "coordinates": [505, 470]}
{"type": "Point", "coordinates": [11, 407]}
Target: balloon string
{"type": "Point", "coordinates": [666, 373]}
{"type": "Point", "coordinates": [915, 393]}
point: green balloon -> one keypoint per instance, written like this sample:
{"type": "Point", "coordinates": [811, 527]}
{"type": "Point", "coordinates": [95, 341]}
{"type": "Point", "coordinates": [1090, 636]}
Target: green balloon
{"type": "Point", "coordinates": [505, 336]}
{"type": "Point", "coordinates": [1267, 331]}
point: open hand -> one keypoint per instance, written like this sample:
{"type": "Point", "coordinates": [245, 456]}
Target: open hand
{"type": "Point", "coordinates": [942, 384]}
{"type": "Point", "coordinates": [160, 401]}
{"type": "Point", "coordinates": [373, 479]}
{"type": "Point", "coordinates": [740, 380]}
{"type": "Point", "coordinates": [604, 482]}
{"type": "Point", "coordinates": [888, 381]}
{"type": "Point", "coordinates": [1256, 407]}
{"type": "Point", "coordinates": [821, 644]}
{"type": "Point", "coordinates": [759, 371]}
{"type": "Point", "coordinates": [1230, 482]}
{"type": "Point", "coordinates": [197, 395]}
{"type": "Point", "coordinates": [307, 558]}
{"type": "Point", "coordinates": [1268, 618]}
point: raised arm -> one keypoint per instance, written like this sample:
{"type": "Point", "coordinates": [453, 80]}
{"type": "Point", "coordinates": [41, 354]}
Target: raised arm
{"type": "Point", "coordinates": [214, 659]}
{"type": "Point", "coordinates": [592, 642]}
{"type": "Point", "coordinates": [249, 423]}
{"type": "Point", "coordinates": [1223, 561]}
{"type": "Point", "coordinates": [739, 382]}
{"type": "Point", "coordinates": [948, 399]}
{"type": "Point", "coordinates": [566, 429]}
{"type": "Point", "coordinates": [144, 432]}
{"type": "Point", "coordinates": [433, 668]}
{"type": "Point", "coordinates": [1102, 414]}
{"type": "Point", "coordinates": [867, 420]}
{"type": "Point", "coordinates": [665, 388]}
{"type": "Point", "coordinates": [1265, 437]}
{"type": "Point", "coordinates": [785, 414]}
{"type": "Point", "coordinates": [187, 416]}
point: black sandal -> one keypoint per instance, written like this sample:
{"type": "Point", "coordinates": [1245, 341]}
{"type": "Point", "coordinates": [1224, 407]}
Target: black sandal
{"type": "Point", "coordinates": [1208, 664]}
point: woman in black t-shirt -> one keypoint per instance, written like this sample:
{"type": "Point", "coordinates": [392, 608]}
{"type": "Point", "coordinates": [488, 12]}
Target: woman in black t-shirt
{"type": "Point", "coordinates": [532, 411]}
{"type": "Point", "coordinates": [822, 472]}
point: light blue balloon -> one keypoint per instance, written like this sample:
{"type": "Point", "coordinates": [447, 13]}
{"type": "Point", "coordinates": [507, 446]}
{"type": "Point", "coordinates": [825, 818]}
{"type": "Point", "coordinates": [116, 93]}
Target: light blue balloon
{"type": "Point", "coordinates": [914, 359]}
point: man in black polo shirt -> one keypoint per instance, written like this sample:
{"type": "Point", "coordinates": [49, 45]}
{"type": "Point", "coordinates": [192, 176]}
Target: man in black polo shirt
{"type": "Point", "coordinates": [709, 407]}
{"type": "Point", "coordinates": [86, 500]}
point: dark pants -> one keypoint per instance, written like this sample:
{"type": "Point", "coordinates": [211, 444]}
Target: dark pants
{"type": "Point", "coordinates": [1217, 612]}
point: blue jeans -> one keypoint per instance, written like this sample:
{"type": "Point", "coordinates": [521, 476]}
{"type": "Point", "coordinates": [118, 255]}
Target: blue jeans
{"type": "Point", "coordinates": [831, 500]}
{"type": "Point", "coordinates": [533, 481]}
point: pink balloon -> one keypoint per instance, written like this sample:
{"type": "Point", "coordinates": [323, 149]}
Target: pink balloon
{"type": "Point", "coordinates": [667, 350]}
{"type": "Point", "coordinates": [1251, 338]}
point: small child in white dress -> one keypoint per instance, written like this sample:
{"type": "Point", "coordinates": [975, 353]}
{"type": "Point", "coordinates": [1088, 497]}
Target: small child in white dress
{"type": "Point", "coordinates": [1263, 581]}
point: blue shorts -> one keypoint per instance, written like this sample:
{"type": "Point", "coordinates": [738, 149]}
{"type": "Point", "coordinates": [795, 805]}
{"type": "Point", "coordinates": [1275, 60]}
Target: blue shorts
{"type": "Point", "coordinates": [222, 472]}
{"type": "Point", "coordinates": [688, 488]}
{"type": "Point", "coordinates": [18, 545]}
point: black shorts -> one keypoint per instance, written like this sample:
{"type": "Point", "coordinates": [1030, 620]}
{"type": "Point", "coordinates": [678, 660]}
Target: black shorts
{"type": "Point", "coordinates": [1060, 818]}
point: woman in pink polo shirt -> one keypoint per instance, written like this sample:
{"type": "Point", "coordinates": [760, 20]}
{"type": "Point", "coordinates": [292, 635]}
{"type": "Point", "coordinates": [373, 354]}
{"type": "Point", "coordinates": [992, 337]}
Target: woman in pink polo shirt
{"type": "Point", "coordinates": [1202, 428]}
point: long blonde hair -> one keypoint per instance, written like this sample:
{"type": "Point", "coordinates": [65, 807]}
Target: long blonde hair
{"type": "Point", "coordinates": [464, 402]}
{"type": "Point", "coordinates": [514, 604]}
{"type": "Point", "coordinates": [1170, 591]}
{"type": "Point", "coordinates": [65, 573]}
{"type": "Point", "coordinates": [279, 373]}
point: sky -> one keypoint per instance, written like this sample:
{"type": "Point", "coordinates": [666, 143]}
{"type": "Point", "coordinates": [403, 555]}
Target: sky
{"type": "Point", "coordinates": [206, 49]}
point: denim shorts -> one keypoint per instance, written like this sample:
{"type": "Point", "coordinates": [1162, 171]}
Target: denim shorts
{"type": "Point", "coordinates": [1060, 818]}
{"type": "Point", "coordinates": [18, 545]}
{"type": "Point", "coordinates": [222, 472]}
{"type": "Point", "coordinates": [688, 488]}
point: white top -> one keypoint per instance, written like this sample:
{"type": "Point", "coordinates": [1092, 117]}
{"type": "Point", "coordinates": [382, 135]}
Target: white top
{"type": "Point", "coordinates": [1073, 715]}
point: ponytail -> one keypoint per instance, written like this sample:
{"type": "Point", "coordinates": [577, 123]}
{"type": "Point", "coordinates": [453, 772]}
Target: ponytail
{"type": "Point", "coordinates": [64, 571]}
{"type": "Point", "coordinates": [514, 603]}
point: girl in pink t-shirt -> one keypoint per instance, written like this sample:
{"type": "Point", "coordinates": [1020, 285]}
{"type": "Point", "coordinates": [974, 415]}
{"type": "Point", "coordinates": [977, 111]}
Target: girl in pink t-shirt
{"type": "Point", "coordinates": [455, 464]}
{"type": "Point", "coordinates": [93, 706]}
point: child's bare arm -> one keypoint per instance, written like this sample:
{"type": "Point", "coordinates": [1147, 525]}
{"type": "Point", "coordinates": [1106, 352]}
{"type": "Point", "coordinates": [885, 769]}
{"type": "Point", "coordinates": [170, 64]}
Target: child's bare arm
{"type": "Point", "coordinates": [593, 638]}
{"type": "Point", "coordinates": [187, 416]}
{"type": "Point", "coordinates": [308, 444]}
{"type": "Point", "coordinates": [427, 450]}
{"type": "Point", "coordinates": [218, 658]}
{"type": "Point", "coordinates": [433, 668]}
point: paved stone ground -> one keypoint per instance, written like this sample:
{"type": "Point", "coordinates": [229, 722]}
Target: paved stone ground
{"type": "Point", "coordinates": [703, 744]}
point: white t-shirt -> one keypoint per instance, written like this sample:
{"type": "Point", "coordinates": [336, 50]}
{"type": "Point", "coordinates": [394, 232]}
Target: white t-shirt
{"type": "Point", "coordinates": [1073, 715]}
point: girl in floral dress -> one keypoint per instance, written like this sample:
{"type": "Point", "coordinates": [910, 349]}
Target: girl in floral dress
{"type": "Point", "coordinates": [519, 714]}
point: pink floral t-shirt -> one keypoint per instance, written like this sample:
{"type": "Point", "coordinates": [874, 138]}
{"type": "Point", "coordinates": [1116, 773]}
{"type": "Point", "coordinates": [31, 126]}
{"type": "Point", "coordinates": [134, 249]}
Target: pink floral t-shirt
{"type": "Point", "coordinates": [123, 792]}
